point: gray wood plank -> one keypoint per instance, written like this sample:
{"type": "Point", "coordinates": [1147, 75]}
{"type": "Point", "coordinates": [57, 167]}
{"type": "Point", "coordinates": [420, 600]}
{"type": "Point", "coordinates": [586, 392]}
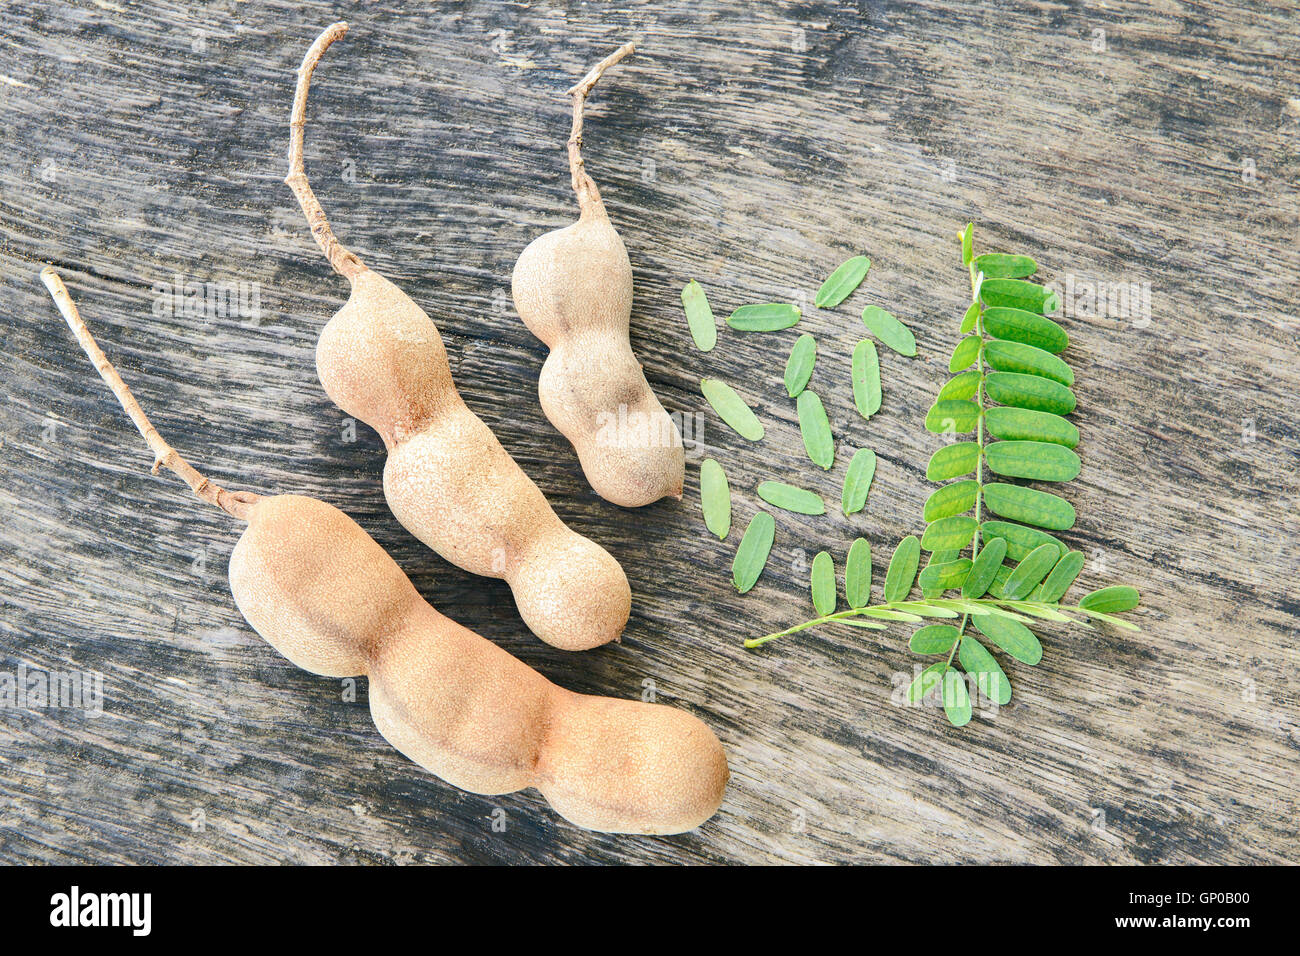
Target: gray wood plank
{"type": "Point", "coordinates": [750, 146]}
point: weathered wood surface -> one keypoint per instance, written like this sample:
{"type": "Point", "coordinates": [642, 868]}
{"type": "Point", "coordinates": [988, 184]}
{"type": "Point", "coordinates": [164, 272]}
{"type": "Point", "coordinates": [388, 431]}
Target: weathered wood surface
{"type": "Point", "coordinates": [751, 146]}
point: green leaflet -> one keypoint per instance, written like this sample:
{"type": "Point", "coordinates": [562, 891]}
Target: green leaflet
{"type": "Point", "coordinates": [926, 681]}
{"type": "Point", "coordinates": [989, 676]}
{"type": "Point", "coordinates": [949, 534]}
{"type": "Point", "coordinates": [1029, 391]}
{"type": "Point", "coordinates": [952, 417]}
{"type": "Point", "coordinates": [902, 568]}
{"type": "Point", "coordinates": [965, 353]}
{"type": "Point", "coordinates": [699, 316]}
{"type": "Point", "coordinates": [887, 615]}
{"type": "Point", "coordinates": [933, 639]}
{"type": "Point", "coordinates": [1030, 572]}
{"type": "Point", "coordinates": [866, 378]}
{"type": "Point", "coordinates": [967, 239]}
{"type": "Point", "coordinates": [1018, 294]}
{"type": "Point", "coordinates": [952, 461]}
{"type": "Point", "coordinates": [1029, 506]}
{"type": "Point", "coordinates": [1062, 576]}
{"type": "Point", "coordinates": [1012, 636]}
{"type": "Point", "coordinates": [1017, 325]}
{"type": "Point", "coordinates": [932, 590]}
{"type": "Point", "coordinates": [857, 574]}
{"type": "Point", "coordinates": [1036, 460]}
{"type": "Point", "coordinates": [956, 699]}
{"type": "Point", "coordinates": [889, 330]}
{"type": "Point", "coordinates": [999, 579]}
{"type": "Point", "coordinates": [790, 498]}
{"type": "Point", "coordinates": [822, 583]}
{"type": "Point", "coordinates": [1019, 357]}
{"type": "Point", "coordinates": [951, 500]}
{"type": "Point", "coordinates": [941, 577]}
{"type": "Point", "coordinates": [751, 556]}
{"type": "Point", "coordinates": [925, 609]}
{"type": "Point", "coordinates": [1111, 600]}
{"type": "Point", "coordinates": [799, 367]}
{"type": "Point", "coordinates": [842, 282]}
{"type": "Point", "coordinates": [971, 317]}
{"type": "Point", "coordinates": [961, 386]}
{"type": "Point", "coordinates": [1020, 539]}
{"type": "Point", "coordinates": [1023, 424]}
{"type": "Point", "coordinates": [857, 481]}
{"type": "Point", "coordinates": [858, 622]}
{"type": "Point", "coordinates": [1001, 265]}
{"type": "Point", "coordinates": [985, 567]}
{"type": "Point", "coordinates": [731, 408]}
{"type": "Point", "coordinates": [768, 317]}
{"type": "Point", "coordinates": [715, 498]}
{"type": "Point", "coordinates": [815, 428]}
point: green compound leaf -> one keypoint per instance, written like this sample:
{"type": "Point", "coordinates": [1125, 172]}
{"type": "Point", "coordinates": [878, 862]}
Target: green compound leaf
{"type": "Point", "coordinates": [767, 317]}
{"type": "Point", "coordinates": [1020, 539]}
{"type": "Point", "coordinates": [1029, 573]}
{"type": "Point", "coordinates": [1022, 424]}
{"type": "Point", "coordinates": [842, 282]}
{"type": "Point", "coordinates": [715, 498]}
{"type": "Point", "coordinates": [965, 353]}
{"type": "Point", "coordinates": [962, 386]}
{"type": "Point", "coordinates": [989, 676]}
{"type": "Point", "coordinates": [866, 378]}
{"type": "Point", "coordinates": [822, 583]}
{"type": "Point", "coordinates": [951, 500]}
{"type": "Point", "coordinates": [953, 461]}
{"type": "Point", "coordinates": [986, 566]}
{"type": "Point", "coordinates": [1017, 325]}
{"type": "Point", "coordinates": [971, 317]}
{"type": "Point", "coordinates": [889, 330]}
{"type": "Point", "coordinates": [949, 534]}
{"type": "Point", "coordinates": [1111, 600]}
{"type": "Point", "coordinates": [1029, 506]}
{"type": "Point", "coordinates": [933, 639]}
{"type": "Point", "coordinates": [699, 316]}
{"type": "Point", "coordinates": [799, 367]}
{"type": "Point", "coordinates": [857, 574]}
{"type": "Point", "coordinates": [751, 556]}
{"type": "Point", "coordinates": [1018, 357]}
{"type": "Point", "coordinates": [952, 417]}
{"type": "Point", "coordinates": [941, 577]}
{"type": "Point", "coordinates": [902, 568]}
{"type": "Point", "coordinates": [926, 681]}
{"type": "Point", "coordinates": [1029, 391]}
{"type": "Point", "coordinates": [790, 498]}
{"type": "Point", "coordinates": [956, 699]}
{"type": "Point", "coordinates": [1062, 576]}
{"type": "Point", "coordinates": [1001, 265]}
{"type": "Point", "coordinates": [815, 428]}
{"type": "Point", "coordinates": [731, 408]}
{"type": "Point", "coordinates": [1018, 294]}
{"type": "Point", "coordinates": [857, 481]}
{"type": "Point", "coordinates": [1036, 460]}
{"type": "Point", "coordinates": [1012, 636]}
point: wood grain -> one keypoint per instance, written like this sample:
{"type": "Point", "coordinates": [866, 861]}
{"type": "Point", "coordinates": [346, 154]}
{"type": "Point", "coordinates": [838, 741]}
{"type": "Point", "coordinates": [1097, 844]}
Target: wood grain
{"type": "Point", "coordinates": [752, 147]}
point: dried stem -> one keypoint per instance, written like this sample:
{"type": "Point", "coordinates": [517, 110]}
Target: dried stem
{"type": "Point", "coordinates": [344, 261]}
{"type": "Point", "coordinates": [235, 503]}
{"type": "Point", "coordinates": [589, 201]}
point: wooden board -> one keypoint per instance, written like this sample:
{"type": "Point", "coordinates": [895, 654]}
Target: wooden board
{"type": "Point", "coordinates": [752, 147]}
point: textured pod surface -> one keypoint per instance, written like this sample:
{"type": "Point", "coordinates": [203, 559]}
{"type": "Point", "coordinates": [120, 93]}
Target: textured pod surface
{"type": "Point", "coordinates": [573, 289]}
{"type": "Point", "coordinates": [448, 479]}
{"type": "Point", "coordinates": [327, 596]}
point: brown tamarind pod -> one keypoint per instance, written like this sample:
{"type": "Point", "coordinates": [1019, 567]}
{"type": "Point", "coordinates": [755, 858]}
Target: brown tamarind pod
{"type": "Point", "coordinates": [573, 289]}
{"type": "Point", "coordinates": [324, 594]}
{"type": "Point", "coordinates": [447, 478]}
